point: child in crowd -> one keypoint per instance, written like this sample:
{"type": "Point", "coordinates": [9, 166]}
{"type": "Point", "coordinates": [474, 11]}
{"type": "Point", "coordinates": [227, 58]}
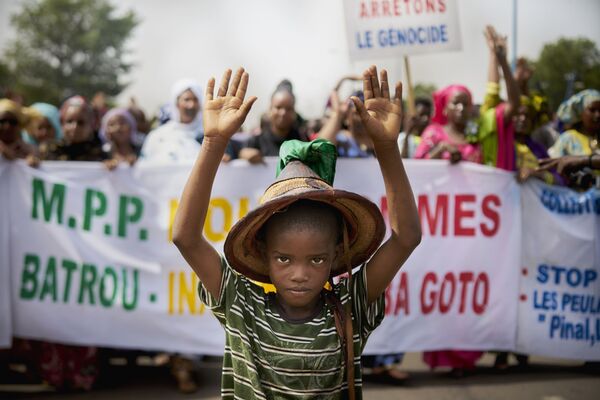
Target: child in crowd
{"type": "Point", "coordinates": [304, 341]}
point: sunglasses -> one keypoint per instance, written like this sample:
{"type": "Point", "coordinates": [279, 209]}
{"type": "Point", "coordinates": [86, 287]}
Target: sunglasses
{"type": "Point", "coordinates": [10, 121]}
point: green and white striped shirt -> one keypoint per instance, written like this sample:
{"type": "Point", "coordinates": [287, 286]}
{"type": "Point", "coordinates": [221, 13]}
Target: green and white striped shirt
{"type": "Point", "coordinates": [267, 357]}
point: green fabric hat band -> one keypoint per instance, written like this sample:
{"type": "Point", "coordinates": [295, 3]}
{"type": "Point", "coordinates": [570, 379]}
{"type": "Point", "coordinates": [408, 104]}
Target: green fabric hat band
{"type": "Point", "coordinates": [319, 155]}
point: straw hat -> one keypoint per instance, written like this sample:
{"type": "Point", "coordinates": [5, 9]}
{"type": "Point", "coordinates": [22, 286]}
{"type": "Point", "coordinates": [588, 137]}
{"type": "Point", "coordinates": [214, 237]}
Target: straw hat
{"type": "Point", "coordinates": [362, 219]}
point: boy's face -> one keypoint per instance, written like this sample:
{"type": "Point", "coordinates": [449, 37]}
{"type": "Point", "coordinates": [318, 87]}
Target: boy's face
{"type": "Point", "coordinates": [300, 262]}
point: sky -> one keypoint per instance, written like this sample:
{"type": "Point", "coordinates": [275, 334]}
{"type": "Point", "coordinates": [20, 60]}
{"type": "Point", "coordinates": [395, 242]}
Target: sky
{"type": "Point", "coordinates": [305, 41]}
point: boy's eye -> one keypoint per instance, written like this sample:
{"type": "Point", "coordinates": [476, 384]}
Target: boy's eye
{"type": "Point", "coordinates": [283, 259]}
{"type": "Point", "coordinates": [318, 260]}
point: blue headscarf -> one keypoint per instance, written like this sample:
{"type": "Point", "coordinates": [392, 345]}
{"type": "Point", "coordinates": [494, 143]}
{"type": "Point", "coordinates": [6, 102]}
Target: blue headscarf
{"type": "Point", "coordinates": [52, 115]}
{"type": "Point", "coordinates": [570, 110]}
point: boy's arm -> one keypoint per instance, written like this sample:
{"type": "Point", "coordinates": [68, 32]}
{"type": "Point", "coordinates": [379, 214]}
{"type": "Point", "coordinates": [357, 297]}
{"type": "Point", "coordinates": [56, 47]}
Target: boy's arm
{"type": "Point", "coordinates": [381, 117]}
{"type": "Point", "coordinates": [222, 117]}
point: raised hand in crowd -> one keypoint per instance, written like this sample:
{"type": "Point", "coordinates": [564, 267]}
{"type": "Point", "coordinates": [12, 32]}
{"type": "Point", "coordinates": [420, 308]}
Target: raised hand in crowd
{"type": "Point", "coordinates": [339, 110]}
{"type": "Point", "coordinates": [498, 53]}
{"type": "Point", "coordinates": [380, 114]}
{"type": "Point", "coordinates": [355, 78]}
{"type": "Point", "coordinates": [222, 115]}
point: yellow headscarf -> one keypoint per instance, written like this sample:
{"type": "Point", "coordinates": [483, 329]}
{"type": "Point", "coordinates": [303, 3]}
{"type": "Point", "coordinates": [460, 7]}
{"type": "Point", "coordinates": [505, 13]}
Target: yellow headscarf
{"type": "Point", "coordinates": [23, 114]}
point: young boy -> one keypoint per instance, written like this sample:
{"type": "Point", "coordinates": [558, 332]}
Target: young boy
{"type": "Point", "coordinates": [296, 343]}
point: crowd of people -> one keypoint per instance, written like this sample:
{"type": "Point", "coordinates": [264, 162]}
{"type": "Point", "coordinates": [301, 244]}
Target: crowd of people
{"type": "Point", "coordinates": [519, 133]}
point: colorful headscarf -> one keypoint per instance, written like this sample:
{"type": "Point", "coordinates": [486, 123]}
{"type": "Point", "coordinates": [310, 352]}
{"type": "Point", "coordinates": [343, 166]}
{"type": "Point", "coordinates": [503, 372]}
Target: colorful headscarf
{"type": "Point", "coordinates": [117, 112]}
{"type": "Point", "coordinates": [570, 110]}
{"type": "Point", "coordinates": [441, 99]}
{"type": "Point", "coordinates": [76, 101]}
{"type": "Point", "coordinates": [51, 114]}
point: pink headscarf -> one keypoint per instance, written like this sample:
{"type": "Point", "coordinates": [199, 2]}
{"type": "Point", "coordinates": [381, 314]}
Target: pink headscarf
{"type": "Point", "coordinates": [441, 99]}
{"type": "Point", "coordinates": [76, 101]}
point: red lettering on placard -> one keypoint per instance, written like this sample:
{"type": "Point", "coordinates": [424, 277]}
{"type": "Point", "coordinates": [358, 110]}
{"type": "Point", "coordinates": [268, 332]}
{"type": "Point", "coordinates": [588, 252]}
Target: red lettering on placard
{"type": "Point", "coordinates": [441, 213]}
{"type": "Point", "coordinates": [427, 307]}
{"type": "Point", "coordinates": [444, 299]}
{"type": "Point", "coordinates": [464, 278]}
{"type": "Point", "coordinates": [482, 283]}
{"type": "Point", "coordinates": [397, 8]}
{"type": "Point", "coordinates": [491, 214]}
{"type": "Point", "coordinates": [442, 6]}
{"type": "Point", "coordinates": [466, 216]}
{"type": "Point", "coordinates": [363, 10]}
{"type": "Point", "coordinates": [460, 214]}
{"type": "Point", "coordinates": [374, 9]}
{"type": "Point", "coordinates": [385, 9]}
{"type": "Point", "coordinates": [402, 296]}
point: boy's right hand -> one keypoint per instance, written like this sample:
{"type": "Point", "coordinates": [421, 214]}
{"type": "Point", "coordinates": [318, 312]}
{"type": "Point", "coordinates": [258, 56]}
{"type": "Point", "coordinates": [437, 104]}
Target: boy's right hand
{"type": "Point", "coordinates": [223, 115]}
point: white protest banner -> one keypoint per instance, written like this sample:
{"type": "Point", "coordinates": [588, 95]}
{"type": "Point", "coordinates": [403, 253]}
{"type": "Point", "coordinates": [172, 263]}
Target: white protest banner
{"type": "Point", "coordinates": [5, 303]}
{"type": "Point", "coordinates": [559, 312]}
{"type": "Point", "coordinates": [458, 290]}
{"type": "Point", "coordinates": [389, 28]}
{"type": "Point", "coordinates": [91, 258]}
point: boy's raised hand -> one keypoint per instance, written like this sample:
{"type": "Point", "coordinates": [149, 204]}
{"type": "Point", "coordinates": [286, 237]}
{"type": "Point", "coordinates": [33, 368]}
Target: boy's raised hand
{"type": "Point", "coordinates": [223, 115]}
{"type": "Point", "coordinates": [380, 115]}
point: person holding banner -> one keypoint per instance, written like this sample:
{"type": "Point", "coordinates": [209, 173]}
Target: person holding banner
{"type": "Point", "coordinates": [505, 128]}
{"type": "Point", "coordinates": [79, 142]}
{"type": "Point", "coordinates": [13, 118]}
{"type": "Point", "coordinates": [581, 114]}
{"type": "Point", "coordinates": [117, 133]}
{"type": "Point", "coordinates": [410, 138]}
{"type": "Point", "coordinates": [300, 341]}
{"type": "Point", "coordinates": [447, 137]}
{"type": "Point", "coordinates": [282, 123]}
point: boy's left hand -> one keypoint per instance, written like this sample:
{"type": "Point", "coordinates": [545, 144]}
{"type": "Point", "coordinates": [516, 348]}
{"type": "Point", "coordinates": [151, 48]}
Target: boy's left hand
{"type": "Point", "coordinates": [380, 115]}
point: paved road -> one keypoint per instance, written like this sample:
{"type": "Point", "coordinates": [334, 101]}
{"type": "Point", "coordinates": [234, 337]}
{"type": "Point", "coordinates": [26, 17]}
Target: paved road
{"type": "Point", "coordinates": [544, 380]}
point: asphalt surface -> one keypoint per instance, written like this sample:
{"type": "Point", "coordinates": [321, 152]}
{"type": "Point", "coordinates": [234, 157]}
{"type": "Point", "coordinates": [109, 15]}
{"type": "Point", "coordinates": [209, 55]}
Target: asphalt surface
{"type": "Point", "coordinates": [544, 379]}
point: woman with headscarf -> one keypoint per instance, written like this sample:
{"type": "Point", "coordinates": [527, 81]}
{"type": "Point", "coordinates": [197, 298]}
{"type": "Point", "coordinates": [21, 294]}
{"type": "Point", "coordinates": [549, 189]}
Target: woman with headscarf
{"type": "Point", "coordinates": [79, 142]}
{"type": "Point", "coordinates": [44, 125]}
{"type": "Point", "coordinates": [179, 139]}
{"type": "Point", "coordinates": [13, 118]}
{"type": "Point", "coordinates": [447, 137]}
{"type": "Point", "coordinates": [581, 113]}
{"type": "Point", "coordinates": [505, 128]}
{"type": "Point", "coordinates": [117, 133]}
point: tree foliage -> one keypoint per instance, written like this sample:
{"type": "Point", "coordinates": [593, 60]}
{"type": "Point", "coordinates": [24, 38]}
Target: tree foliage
{"type": "Point", "coordinates": [66, 47]}
{"type": "Point", "coordinates": [575, 59]}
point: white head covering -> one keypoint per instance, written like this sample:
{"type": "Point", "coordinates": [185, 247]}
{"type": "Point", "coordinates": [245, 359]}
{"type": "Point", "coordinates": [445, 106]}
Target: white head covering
{"type": "Point", "coordinates": [177, 90]}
